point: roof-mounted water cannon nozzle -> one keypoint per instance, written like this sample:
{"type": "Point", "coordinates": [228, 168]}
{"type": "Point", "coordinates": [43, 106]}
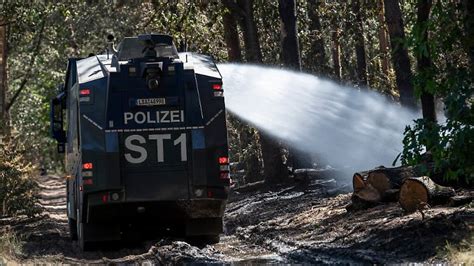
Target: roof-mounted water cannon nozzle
{"type": "Point", "coordinates": [110, 45]}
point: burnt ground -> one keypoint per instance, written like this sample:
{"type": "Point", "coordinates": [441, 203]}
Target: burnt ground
{"type": "Point", "coordinates": [303, 222]}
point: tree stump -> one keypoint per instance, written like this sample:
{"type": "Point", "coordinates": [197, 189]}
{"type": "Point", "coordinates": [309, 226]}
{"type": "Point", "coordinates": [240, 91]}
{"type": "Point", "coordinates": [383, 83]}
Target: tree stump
{"type": "Point", "coordinates": [416, 193]}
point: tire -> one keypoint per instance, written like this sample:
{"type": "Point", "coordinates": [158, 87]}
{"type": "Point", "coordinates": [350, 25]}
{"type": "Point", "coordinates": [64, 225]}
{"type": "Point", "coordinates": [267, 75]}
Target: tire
{"type": "Point", "coordinates": [91, 235]}
{"type": "Point", "coordinates": [72, 228]}
{"type": "Point", "coordinates": [84, 245]}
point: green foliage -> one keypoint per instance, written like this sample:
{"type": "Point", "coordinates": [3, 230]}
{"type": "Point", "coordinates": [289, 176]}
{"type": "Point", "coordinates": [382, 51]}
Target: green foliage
{"type": "Point", "coordinates": [451, 143]}
{"type": "Point", "coordinates": [18, 192]}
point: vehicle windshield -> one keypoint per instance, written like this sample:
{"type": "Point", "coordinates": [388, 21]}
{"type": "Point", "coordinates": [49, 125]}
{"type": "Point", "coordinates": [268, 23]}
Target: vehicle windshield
{"type": "Point", "coordinates": [131, 48]}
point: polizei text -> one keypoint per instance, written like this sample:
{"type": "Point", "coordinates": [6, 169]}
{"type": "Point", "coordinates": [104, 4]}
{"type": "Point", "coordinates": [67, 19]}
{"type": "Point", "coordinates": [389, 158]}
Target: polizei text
{"type": "Point", "coordinates": [154, 117]}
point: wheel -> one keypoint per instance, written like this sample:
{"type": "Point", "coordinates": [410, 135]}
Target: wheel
{"type": "Point", "coordinates": [72, 228]}
{"type": "Point", "coordinates": [203, 231]}
{"type": "Point", "coordinates": [91, 235]}
{"type": "Point", "coordinates": [84, 245]}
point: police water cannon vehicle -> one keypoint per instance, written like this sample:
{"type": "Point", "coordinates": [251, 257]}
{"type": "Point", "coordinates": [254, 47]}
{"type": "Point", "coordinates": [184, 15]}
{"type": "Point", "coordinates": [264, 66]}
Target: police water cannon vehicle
{"type": "Point", "coordinates": [144, 133]}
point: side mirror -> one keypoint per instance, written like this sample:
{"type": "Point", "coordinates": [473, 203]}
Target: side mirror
{"type": "Point", "coordinates": [57, 119]}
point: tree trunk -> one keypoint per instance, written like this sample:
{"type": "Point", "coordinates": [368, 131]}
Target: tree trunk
{"type": "Point", "coordinates": [3, 77]}
{"type": "Point", "coordinates": [231, 37]}
{"type": "Point", "coordinates": [246, 139]}
{"type": "Point", "coordinates": [424, 61]}
{"type": "Point", "coordinates": [417, 193]}
{"type": "Point", "coordinates": [290, 52]}
{"type": "Point", "coordinates": [383, 40]}
{"type": "Point", "coordinates": [400, 59]}
{"type": "Point", "coordinates": [253, 52]}
{"type": "Point", "coordinates": [274, 169]}
{"type": "Point", "coordinates": [336, 54]}
{"type": "Point", "coordinates": [317, 55]}
{"type": "Point", "coordinates": [359, 45]}
{"type": "Point", "coordinates": [469, 31]}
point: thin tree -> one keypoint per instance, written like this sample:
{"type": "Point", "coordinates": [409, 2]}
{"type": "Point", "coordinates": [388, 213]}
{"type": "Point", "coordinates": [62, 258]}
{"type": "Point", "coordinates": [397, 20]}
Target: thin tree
{"type": "Point", "coordinates": [400, 59]}
{"type": "Point", "coordinates": [29, 68]}
{"type": "Point", "coordinates": [253, 53]}
{"type": "Point", "coordinates": [290, 54]}
{"type": "Point", "coordinates": [316, 51]}
{"type": "Point", "coordinates": [231, 37]}
{"type": "Point", "coordinates": [423, 58]}
{"type": "Point", "coordinates": [468, 6]}
{"type": "Point", "coordinates": [3, 74]}
{"type": "Point", "coordinates": [336, 54]}
{"type": "Point", "coordinates": [383, 39]}
{"type": "Point", "coordinates": [359, 44]}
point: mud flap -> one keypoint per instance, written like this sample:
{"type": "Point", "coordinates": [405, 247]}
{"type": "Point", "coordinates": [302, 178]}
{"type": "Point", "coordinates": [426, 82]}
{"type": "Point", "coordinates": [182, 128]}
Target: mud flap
{"type": "Point", "coordinates": [204, 226]}
{"type": "Point", "coordinates": [89, 233]}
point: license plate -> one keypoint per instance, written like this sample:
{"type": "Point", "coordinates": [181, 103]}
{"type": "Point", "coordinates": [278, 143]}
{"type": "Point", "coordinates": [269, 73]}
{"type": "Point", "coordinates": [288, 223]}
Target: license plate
{"type": "Point", "coordinates": [151, 101]}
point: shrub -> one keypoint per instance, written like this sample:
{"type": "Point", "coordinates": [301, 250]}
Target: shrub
{"type": "Point", "coordinates": [18, 191]}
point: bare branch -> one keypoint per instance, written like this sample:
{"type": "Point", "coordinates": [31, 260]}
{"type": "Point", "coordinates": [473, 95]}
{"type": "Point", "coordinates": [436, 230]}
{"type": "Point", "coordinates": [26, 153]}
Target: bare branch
{"type": "Point", "coordinates": [35, 53]}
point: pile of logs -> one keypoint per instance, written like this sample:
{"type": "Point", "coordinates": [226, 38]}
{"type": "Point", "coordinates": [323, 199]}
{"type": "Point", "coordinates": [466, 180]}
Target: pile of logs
{"type": "Point", "coordinates": [406, 185]}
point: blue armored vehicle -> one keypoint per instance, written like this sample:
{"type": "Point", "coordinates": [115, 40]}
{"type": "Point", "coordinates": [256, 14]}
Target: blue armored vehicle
{"type": "Point", "coordinates": [144, 133]}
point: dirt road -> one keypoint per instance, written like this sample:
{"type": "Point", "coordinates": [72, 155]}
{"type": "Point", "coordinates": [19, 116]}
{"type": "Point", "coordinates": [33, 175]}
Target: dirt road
{"type": "Point", "coordinates": [294, 223]}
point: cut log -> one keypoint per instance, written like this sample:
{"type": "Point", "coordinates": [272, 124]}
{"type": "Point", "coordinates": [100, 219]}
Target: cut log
{"type": "Point", "coordinates": [368, 193]}
{"type": "Point", "coordinates": [358, 182]}
{"type": "Point", "coordinates": [382, 184]}
{"type": "Point", "coordinates": [416, 193]}
{"type": "Point", "coordinates": [384, 179]}
{"type": "Point", "coordinates": [390, 195]}
{"type": "Point", "coordinates": [457, 201]}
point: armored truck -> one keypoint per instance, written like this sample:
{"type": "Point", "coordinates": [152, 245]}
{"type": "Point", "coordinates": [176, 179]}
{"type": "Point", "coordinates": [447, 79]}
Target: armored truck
{"type": "Point", "coordinates": [144, 134]}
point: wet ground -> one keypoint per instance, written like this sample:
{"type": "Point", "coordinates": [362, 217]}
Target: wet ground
{"type": "Point", "coordinates": [298, 222]}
